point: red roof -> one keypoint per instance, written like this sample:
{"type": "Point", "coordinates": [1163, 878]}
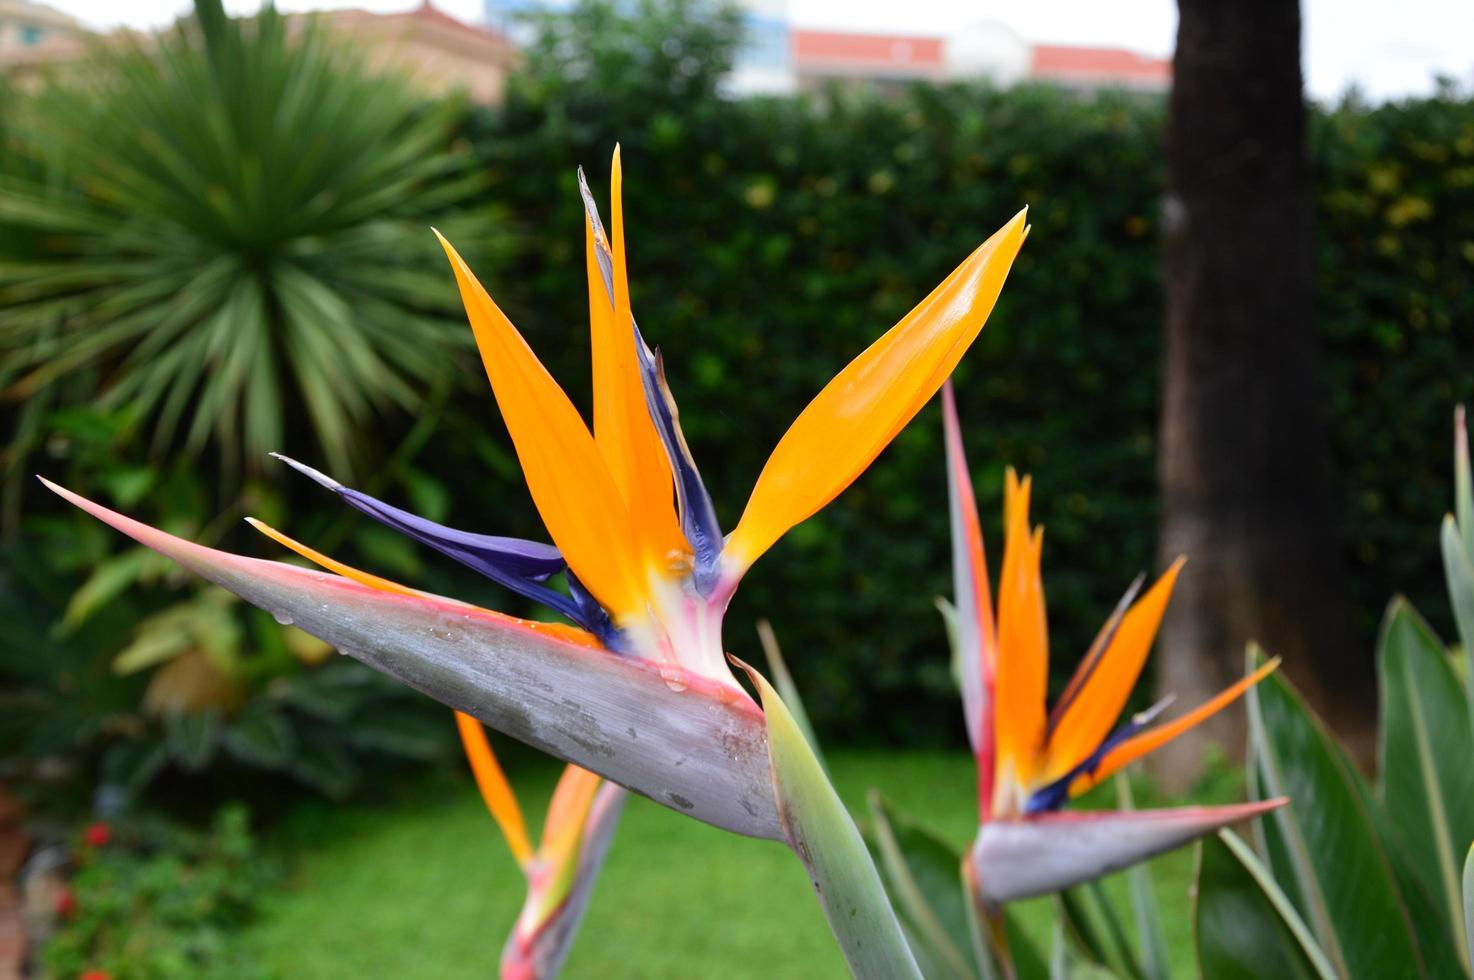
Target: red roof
{"type": "Point", "coordinates": [432, 14]}
{"type": "Point", "coordinates": [886, 53]}
{"type": "Point", "coordinates": [1097, 64]}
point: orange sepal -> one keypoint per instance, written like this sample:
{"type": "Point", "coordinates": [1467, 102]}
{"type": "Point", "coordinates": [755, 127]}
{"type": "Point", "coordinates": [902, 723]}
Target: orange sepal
{"type": "Point", "coordinates": [862, 409]}
{"type": "Point", "coordinates": [495, 789]}
{"type": "Point", "coordinates": [623, 429]}
{"type": "Point", "coordinates": [1022, 670]}
{"type": "Point", "coordinates": [1139, 745]}
{"type": "Point", "coordinates": [1096, 709]}
{"type": "Point", "coordinates": [576, 496]}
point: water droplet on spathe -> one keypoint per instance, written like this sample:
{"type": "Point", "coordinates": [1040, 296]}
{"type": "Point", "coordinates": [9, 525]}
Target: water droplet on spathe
{"type": "Point", "coordinates": [674, 680]}
{"type": "Point", "coordinates": [284, 619]}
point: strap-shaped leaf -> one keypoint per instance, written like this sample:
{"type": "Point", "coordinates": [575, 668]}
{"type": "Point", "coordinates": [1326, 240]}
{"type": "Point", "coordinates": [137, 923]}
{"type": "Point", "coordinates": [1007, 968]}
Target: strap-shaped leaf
{"type": "Point", "coordinates": [921, 872]}
{"type": "Point", "coordinates": [1458, 570]}
{"type": "Point", "coordinates": [826, 840]}
{"type": "Point", "coordinates": [1463, 482]}
{"type": "Point", "coordinates": [1427, 783]}
{"type": "Point", "coordinates": [1469, 900]}
{"type": "Point", "coordinates": [1245, 926]}
{"type": "Point", "coordinates": [1068, 962]}
{"type": "Point", "coordinates": [1151, 939]}
{"type": "Point", "coordinates": [787, 689]}
{"type": "Point", "coordinates": [1440, 947]}
{"type": "Point", "coordinates": [1096, 932]}
{"type": "Point", "coordinates": [1323, 847]}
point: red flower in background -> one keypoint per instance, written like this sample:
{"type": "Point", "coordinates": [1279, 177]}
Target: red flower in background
{"type": "Point", "coordinates": [97, 834]}
{"type": "Point", "coordinates": [96, 974]}
{"type": "Point", "coordinates": [66, 904]}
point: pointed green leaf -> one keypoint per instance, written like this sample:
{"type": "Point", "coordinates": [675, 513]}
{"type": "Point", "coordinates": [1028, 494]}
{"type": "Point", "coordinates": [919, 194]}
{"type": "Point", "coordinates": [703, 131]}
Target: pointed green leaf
{"type": "Point", "coordinates": [132, 765]}
{"type": "Point", "coordinates": [1097, 930]}
{"type": "Point", "coordinates": [1430, 930]}
{"type": "Point", "coordinates": [1458, 571]}
{"type": "Point", "coordinates": [1469, 899]}
{"type": "Point", "coordinates": [1323, 843]}
{"type": "Point", "coordinates": [109, 579]}
{"type": "Point", "coordinates": [1150, 937]}
{"type": "Point", "coordinates": [192, 738]}
{"type": "Point", "coordinates": [1463, 484]}
{"type": "Point", "coordinates": [1440, 947]}
{"type": "Point", "coordinates": [998, 938]}
{"type": "Point", "coordinates": [1427, 783]}
{"type": "Point", "coordinates": [787, 689]}
{"type": "Point", "coordinates": [922, 873]}
{"type": "Point", "coordinates": [984, 950]}
{"type": "Point", "coordinates": [1245, 926]}
{"type": "Point", "coordinates": [826, 840]}
{"type": "Point", "coordinates": [261, 737]}
{"type": "Point", "coordinates": [1067, 962]}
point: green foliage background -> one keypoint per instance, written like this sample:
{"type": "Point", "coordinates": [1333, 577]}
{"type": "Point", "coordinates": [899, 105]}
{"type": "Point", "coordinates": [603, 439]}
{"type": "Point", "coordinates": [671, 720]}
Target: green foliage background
{"type": "Point", "coordinates": [772, 239]}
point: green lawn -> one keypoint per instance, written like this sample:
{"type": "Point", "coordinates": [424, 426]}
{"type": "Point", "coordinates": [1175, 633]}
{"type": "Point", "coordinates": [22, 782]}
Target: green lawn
{"type": "Point", "coordinates": [423, 888]}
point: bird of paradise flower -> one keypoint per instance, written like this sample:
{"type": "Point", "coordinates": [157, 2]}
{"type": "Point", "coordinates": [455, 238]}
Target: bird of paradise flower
{"type": "Point", "coordinates": [1031, 763]}
{"type": "Point", "coordinates": [639, 690]}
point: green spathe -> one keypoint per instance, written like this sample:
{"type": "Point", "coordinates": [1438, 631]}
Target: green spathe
{"type": "Point", "coordinates": [825, 838]}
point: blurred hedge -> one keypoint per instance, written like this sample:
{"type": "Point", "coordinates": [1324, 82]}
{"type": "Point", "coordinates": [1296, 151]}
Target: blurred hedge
{"type": "Point", "coordinates": [771, 239]}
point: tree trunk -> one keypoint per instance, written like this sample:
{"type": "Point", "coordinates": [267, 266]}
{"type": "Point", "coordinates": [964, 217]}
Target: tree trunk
{"type": "Point", "coordinates": [1244, 463]}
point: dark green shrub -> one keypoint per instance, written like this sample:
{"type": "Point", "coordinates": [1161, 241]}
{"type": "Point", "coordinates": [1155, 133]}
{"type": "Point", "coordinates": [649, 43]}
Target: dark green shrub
{"type": "Point", "coordinates": [772, 238]}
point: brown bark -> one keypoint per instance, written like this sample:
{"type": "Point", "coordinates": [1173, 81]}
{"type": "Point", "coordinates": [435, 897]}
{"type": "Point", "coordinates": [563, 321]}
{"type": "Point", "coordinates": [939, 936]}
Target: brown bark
{"type": "Point", "coordinates": [1244, 462]}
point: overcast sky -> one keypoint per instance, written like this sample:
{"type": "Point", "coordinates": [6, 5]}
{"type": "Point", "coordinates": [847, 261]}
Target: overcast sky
{"type": "Point", "coordinates": [1386, 49]}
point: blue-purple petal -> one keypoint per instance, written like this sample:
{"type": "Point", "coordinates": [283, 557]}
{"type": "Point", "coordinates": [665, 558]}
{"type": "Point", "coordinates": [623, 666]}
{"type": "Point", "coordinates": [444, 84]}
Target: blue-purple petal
{"type": "Point", "coordinates": [489, 554]}
{"type": "Point", "coordinates": [1057, 794]}
{"type": "Point", "coordinates": [592, 616]}
{"type": "Point", "coordinates": [516, 564]}
{"type": "Point", "coordinates": [698, 516]}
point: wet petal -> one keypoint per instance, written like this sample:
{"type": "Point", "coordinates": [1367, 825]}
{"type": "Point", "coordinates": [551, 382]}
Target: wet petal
{"type": "Point", "coordinates": [579, 502]}
{"type": "Point", "coordinates": [1017, 859]}
{"type": "Point", "coordinates": [1104, 692]}
{"type": "Point", "coordinates": [858, 413]}
{"type": "Point", "coordinates": [701, 750]}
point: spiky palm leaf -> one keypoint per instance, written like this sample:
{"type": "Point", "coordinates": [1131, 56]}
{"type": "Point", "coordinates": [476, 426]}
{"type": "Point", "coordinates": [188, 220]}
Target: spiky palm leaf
{"type": "Point", "coordinates": [229, 230]}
